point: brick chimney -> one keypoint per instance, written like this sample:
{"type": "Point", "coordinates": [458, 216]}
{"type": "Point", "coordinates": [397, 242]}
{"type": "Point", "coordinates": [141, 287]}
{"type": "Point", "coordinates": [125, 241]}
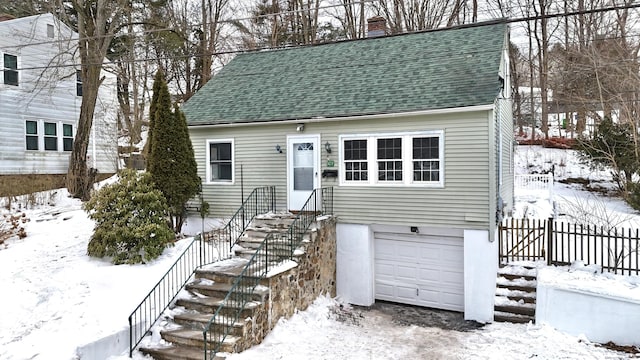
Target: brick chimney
{"type": "Point", "coordinates": [376, 26]}
{"type": "Point", "coordinates": [5, 17]}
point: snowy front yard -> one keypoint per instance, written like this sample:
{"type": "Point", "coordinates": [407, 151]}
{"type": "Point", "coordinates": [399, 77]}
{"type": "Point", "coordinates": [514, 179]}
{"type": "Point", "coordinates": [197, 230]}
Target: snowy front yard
{"type": "Point", "coordinates": [56, 299]}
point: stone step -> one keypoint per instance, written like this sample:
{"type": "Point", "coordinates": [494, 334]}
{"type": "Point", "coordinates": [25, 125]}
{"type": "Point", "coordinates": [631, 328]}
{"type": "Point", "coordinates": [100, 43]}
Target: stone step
{"type": "Point", "coordinates": [278, 244]}
{"type": "Point", "coordinates": [274, 255]}
{"type": "Point", "coordinates": [198, 321]}
{"type": "Point", "coordinates": [505, 317]}
{"type": "Point", "coordinates": [219, 290]}
{"type": "Point", "coordinates": [176, 352]}
{"type": "Point", "coordinates": [209, 305]}
{"type": "Point", "coordinates": [262, 232]}
{"type": "Point", "coordinates": [528, 289]}
{"type": "Point", "coordinates": [517, 310]}
{"type": "Point", "coordinates": [518, 277]}
{"type": "Point", "coordinates": [525, 299]}
{"type": "Point", "coordinates": [194, 338]}
{"type": "Point", "coordinates": [500, 291]}
{"type": "Point", "coordinates": [273, 222]}
{"type": "Point", "coordinates": [226, 271]}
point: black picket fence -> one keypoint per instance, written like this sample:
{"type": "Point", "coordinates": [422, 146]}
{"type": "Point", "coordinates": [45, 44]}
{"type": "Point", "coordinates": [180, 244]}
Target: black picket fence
{"type": "Point", "coordinates": [616, 250]}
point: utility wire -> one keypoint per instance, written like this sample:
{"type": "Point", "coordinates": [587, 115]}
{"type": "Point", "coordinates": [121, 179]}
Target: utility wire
{"type": "Point", "coordinates": [192, 26]}
{"type": "Point", "coordinates": [462, 26]}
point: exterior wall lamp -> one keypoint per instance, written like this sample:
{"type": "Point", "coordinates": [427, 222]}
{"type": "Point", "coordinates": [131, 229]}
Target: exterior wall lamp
{"type": "Point", "coordinates": [279, 149]}
{"type": "Point", "coordinates": [300, 128]}
{"type": "Point", "coordinates": [327, 147]}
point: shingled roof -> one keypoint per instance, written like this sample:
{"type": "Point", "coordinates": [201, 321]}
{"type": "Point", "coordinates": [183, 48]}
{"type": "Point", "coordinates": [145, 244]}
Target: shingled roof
{"type": "Point", "coordinates": [412, 72]}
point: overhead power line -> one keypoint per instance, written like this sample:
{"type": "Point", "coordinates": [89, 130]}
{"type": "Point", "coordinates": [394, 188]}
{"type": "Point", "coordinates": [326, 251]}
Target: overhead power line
{"type": "Point", "coordinates": [461, 26]}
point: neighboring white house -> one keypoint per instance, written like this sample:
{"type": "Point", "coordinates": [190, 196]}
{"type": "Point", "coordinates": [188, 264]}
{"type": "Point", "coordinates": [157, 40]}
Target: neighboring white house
{"type": "Point", "coordinates": [40, 97]}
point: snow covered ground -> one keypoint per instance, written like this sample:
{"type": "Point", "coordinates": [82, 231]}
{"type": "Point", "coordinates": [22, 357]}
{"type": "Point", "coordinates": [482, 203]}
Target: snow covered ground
{"type": "Point", "coordinates": [56, 299]}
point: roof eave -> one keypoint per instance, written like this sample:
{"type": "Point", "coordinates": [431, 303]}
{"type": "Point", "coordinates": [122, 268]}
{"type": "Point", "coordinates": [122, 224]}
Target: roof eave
{"type": "Point", "coordinates": [464, 109]}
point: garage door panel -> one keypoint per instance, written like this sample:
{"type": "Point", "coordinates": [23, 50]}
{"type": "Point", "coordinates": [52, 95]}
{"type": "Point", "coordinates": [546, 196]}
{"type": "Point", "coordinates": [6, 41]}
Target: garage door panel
{"type": "Point", "coordinates": [406, 272]}
{"type": "Point", "coordinates": [420, 270]}
{"type": "Point", "coordinates": [405, 292]}
{"type": "Point", "coordinates": [451, 277]}
{"type": "Point", "coordinates": [451, 300]}
{"type": "Point", "coordinates": [385, 291]}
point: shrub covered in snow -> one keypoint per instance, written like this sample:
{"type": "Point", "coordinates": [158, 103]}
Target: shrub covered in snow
{"type": "Point", "coordinates": [131, 224]}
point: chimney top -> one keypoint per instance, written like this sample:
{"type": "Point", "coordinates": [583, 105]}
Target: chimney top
{"type": "Point", "coordinates": [376, 26]}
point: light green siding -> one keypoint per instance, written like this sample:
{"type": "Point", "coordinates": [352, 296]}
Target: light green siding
{"type": "Point", "coordinates": [463, 202]}
{"type": "Point", "coordinates": [505, 107]}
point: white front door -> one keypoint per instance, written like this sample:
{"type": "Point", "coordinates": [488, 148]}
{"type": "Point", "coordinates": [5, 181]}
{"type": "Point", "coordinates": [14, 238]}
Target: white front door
{"type": "Point", "coordinates": [303, 161]}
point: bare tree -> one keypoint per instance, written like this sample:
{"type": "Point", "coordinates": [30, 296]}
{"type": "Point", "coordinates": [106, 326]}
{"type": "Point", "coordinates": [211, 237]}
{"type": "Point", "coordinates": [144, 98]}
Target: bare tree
{"type": "Point", "coordinates": [98, 21]}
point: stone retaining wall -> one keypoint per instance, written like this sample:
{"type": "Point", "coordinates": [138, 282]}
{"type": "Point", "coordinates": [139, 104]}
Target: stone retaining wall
{"type": "Point", "coordinates": [296, 288]}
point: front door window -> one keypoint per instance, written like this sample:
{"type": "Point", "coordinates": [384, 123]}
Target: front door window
{"type": "Point", "coordinates": [303, 166]}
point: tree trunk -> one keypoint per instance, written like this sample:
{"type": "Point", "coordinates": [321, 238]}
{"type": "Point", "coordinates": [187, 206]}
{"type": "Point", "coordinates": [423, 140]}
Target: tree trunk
{"type": "Point", "coordinates": [79, 181]}
{"type": "Point", "coordinates": [97, 23]}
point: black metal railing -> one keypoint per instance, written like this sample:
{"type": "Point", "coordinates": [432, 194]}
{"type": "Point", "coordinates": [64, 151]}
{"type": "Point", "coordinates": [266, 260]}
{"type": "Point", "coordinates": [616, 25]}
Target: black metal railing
{"type": "Point", "coordinates": [274, 249]}
{"type": "Point", "coordinates": [216, 245]}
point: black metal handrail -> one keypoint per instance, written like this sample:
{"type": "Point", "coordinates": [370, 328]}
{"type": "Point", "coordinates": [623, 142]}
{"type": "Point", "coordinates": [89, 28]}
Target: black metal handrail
{"type": "Point", "coordinates": [269, 254]}
{"type": "Point", "coordinates": [216, 246]}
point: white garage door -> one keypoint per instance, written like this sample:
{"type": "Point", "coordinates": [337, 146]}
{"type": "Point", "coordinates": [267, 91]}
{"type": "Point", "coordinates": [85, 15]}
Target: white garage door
{"type": "Point", "coordinates": [420, 270]}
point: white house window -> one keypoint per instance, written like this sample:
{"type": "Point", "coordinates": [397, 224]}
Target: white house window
{"type": "Point", "coordinates": [390, 159]}
{"type": "Point", "coordinates": [220, 156]}
{"type": "Point", "coordinates": [355, 160]}
{"type": "Point", "coordinates": [50, 136]}
{"type": "Point", "coordinates": [10, 69]}
{"type": "Point", "coordinates": [396, 159]}
{"type": "Point", "coordinates": [31, 131]}
{"type": "Point", "coordinates": [426, 158]}
{"type": "Point", "coordinates": [50, 31]}
{"type": "Point", "coordinates": [67, 137]}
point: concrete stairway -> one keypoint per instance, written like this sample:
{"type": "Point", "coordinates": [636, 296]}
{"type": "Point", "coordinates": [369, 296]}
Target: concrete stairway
{"type": "Point", "coordinates": [515, 299]}
{"type": "Point", "coordinates": [183, 334]}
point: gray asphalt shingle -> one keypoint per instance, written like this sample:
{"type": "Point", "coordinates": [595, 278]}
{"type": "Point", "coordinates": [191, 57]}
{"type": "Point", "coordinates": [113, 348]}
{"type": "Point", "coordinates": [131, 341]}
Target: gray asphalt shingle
{"type": "Point", "coordinates": [411, 72]}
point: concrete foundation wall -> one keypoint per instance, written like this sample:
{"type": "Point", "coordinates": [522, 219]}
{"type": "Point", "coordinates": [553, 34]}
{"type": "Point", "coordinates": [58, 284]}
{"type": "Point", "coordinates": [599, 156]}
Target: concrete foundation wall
{"type": "Point", "coordinates": [480, 268]}
{"type": "Point", "coordinates": [599, 317]}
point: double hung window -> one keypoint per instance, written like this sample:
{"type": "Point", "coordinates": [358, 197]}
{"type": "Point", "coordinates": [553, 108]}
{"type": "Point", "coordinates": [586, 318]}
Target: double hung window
{"type": "Point", "coordinates": [10, 70]}
{"type": "Point", "coordinates": [414, 158]}
{"type": "Point", "coordinates": [220, 159]}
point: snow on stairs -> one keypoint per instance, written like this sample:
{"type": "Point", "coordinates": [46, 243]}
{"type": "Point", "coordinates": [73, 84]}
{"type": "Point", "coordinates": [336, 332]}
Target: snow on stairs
{"type": "Point", "coordinates": [183, 335]}
{"type": "Point", "coordinates": [277, 224]}
{"type": "Point", "coordinates": [515, 299]}
{"type": "Point", "coordinates": [192, 313]}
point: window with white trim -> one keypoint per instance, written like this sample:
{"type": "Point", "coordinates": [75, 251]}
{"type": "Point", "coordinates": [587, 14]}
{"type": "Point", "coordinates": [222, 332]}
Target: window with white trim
{"type": "Point", "coordinates": [50, 136]}
{"type": "Point", "coordinates": [31, 135]}
{"type": "Point", "coordinates": [426, 158]}
{"type": "Point", "coordinates": [389, 159]}
{"type": "Point", "coordinates": [220, 160]}
{"type": "Point", "coordinates": [67, 137]}
{"type": "Point", "coordinates": [10, 69]}
{"type": "Point", "coordinates": [412, 158]}
{"type": "Point", "coordinates": [355, 160]}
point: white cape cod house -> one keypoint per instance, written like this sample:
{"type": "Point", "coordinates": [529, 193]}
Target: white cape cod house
{"type": "Point", "coordinates": [40, 96]}
{"type": "Point", "coordinates": [414, 133]}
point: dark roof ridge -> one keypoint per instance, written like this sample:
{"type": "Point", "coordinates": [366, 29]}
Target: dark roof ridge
{"type": "Point", "coordinates": [499, 21]}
